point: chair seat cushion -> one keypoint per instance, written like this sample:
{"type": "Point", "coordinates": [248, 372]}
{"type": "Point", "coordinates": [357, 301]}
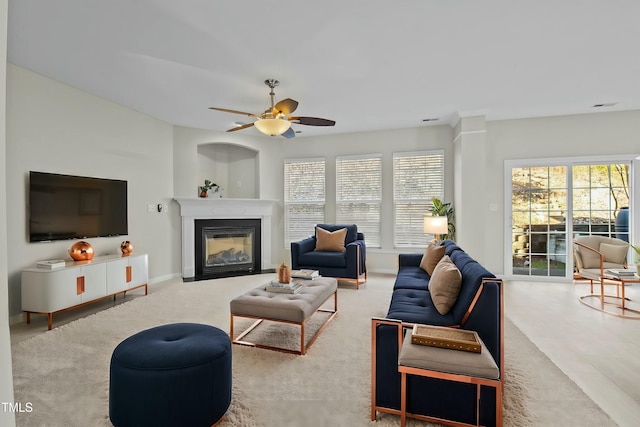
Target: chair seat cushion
{"type": "Point", "coordinates": [594, 273]}
{"type": "Point", "coordinates": [323, 259]}
{"type": "Point", "coordinates": [449, 361]}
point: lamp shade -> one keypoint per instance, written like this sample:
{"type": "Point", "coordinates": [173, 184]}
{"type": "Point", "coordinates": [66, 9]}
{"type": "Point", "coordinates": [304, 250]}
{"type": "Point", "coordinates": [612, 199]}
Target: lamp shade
{"type": "Point", "coordinates": [435, 224]}
{"type": "Point", "coordinates": [272, 127]}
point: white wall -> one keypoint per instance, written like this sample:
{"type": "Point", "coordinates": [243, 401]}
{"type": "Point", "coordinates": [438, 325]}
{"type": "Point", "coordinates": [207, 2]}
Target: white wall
{"type": "Point", "coordinates": [232, 167]}
{"type": "Point", "coordinates": [599, 134]}
{"type": "Point", "coordinates": [7, 418]}
{"type": "Point", "coordinates": [52, 127]}
{"type": "Point", "coordinates": [470, 185]}
{"type": "Point", "coordinates": [188, 146]}
{"type": "Point", "coordinates": [242, 175]}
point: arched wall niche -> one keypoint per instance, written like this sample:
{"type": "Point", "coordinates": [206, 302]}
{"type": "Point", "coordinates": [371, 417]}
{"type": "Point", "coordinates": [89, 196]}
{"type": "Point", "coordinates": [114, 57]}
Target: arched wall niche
{"type": "Point", "coordinates": [233, 167]}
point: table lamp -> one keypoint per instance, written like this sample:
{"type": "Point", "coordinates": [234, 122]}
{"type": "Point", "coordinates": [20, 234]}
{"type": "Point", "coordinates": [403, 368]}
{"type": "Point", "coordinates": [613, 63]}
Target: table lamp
{"type": "Point", "coordinates": [436, 225]}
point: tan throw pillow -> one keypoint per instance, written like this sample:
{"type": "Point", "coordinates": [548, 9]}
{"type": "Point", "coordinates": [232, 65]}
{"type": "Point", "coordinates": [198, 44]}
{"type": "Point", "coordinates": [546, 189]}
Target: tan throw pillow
{"type": "Point", "coordinates": [614, 253]}
{"type": "Point", "coordinates": [330, 241]}
{"type": "Point", "coordinates": [431, 256]}
{"type": "Point", "coordinates": [444, 285]}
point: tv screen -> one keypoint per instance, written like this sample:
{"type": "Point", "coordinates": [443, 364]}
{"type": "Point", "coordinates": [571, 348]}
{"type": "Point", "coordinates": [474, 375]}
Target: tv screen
{"type": "Point", "coordinates": [74, 207]}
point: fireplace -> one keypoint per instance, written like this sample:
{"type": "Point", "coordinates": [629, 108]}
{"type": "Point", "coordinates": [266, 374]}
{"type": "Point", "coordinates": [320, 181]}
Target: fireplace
{"type": "Point", "coordinates": [197, 209]}
{"type": "Point", "coordinates": [227, 247]}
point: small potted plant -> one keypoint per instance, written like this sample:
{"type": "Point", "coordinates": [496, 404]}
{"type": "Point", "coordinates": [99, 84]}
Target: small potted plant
{"type": "Point", "coordinates": [208, 185]}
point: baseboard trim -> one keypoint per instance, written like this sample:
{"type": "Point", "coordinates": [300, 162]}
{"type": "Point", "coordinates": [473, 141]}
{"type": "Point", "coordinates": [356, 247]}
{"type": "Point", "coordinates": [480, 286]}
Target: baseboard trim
{"type": "Point", "coordinates": [18, 318]}
{"type": "Point", "coordinates": [164, 278]}
{"type": "Point", "coordinates": [382, 271]}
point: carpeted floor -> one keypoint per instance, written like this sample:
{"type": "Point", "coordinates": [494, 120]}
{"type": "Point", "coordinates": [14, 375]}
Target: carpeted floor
{"type": "Point", "coordinates": [64, 373]}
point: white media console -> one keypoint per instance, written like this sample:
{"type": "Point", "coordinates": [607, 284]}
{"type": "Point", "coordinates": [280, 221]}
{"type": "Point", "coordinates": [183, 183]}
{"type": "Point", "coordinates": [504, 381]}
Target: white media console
{"type": "Point", "coordinates": [49, 291]}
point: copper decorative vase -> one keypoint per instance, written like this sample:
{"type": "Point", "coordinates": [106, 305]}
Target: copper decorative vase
{"type": "Point", "coordinates": [126, 248]}
{"type": "Point", "coordinates": [81, 251]}
{"type": "Point", "coordinates": [284, 273]}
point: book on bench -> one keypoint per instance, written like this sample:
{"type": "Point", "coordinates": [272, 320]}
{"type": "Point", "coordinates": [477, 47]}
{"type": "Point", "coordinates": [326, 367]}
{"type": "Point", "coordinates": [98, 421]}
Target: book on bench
{"type": "Point", "coordinates": [283, 288]}
{"type": "Point", "coordinates": [305, 274]}
{"type": "Point", "coordinates": [620, 272]}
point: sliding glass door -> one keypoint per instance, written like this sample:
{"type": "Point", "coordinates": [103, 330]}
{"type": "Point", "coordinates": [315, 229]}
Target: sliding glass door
{"type": "Point", "coordinates": [552, 203]}
{"type": "Point", "coordinates": [539, 220]}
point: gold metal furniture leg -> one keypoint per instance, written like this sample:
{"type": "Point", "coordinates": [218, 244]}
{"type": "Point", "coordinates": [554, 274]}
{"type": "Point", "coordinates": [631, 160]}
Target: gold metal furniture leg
{"type": "Point", "coordinates": [403, 400]}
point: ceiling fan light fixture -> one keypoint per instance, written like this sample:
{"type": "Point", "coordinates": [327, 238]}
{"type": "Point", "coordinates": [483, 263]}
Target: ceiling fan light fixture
{"type": "Point", "coordinates": [272, 127]}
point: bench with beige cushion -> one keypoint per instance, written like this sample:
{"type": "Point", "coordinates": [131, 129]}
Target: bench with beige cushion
{"type": "Point", "coordinates": [286, 308]}
{"type": "Point", "coordinates": [445, 364]}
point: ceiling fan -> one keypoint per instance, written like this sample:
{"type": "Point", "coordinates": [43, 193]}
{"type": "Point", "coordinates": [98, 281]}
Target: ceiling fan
{"type": "Point", "coordinates": [276, 119]}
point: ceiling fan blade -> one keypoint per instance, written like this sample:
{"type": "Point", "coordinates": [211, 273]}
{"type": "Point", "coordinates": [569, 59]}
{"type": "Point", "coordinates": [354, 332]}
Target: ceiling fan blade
{"type": "Point", "coordinates": [312, 121]}
{"type": "Point", "coordinates": [290, 133]}
{"type": "Point", "coordinates": [244, 126]}
{"type": "Point", "coordinates": [286, 106]}
{"type": "Point", "coordinates": [226, 110]}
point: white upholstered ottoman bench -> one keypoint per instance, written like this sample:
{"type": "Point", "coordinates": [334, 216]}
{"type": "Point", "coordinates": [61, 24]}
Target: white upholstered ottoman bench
{"type": "Point", "coordinates": [286, 308]}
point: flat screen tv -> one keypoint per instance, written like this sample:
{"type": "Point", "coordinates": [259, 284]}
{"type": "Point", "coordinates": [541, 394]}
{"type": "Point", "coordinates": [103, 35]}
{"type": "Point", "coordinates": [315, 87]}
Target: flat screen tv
{"type": "Point", "coordinates": [65, 207]}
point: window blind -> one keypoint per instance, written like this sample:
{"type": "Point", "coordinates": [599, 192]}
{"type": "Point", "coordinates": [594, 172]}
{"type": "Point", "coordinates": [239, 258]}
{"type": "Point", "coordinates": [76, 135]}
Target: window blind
{"type": "Point", "coordinates": [304, 197]}
{"type": "Point", "coordinates": [417, 178]}
{"type": "Point", "coordinates": [359, 194]}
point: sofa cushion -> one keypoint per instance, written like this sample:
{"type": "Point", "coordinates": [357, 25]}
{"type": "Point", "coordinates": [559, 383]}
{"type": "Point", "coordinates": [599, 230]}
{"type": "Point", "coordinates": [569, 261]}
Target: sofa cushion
{"type": "Point", "coordinates": [352, 231]}
{"type": "Point", "coordinates": [616, 254]}
{"type": "Point", "coordinates": [330, 241]}
{"type": "Point", "coordinates": [410, 277]}
{"type": "Point", "coordinates": [323, 259]}
{"type": "Point", "coordinates": [432, 255]}
{"type": "Point", "coordinates": [444, 285]}
{"type": "Point", "coordinates": [415, 306]}
{"type": "Point", "coordinates": [472, 275]}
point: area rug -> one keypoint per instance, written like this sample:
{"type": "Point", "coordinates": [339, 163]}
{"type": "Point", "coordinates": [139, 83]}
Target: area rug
{"type": "Point", "coordinates": [64, 373]}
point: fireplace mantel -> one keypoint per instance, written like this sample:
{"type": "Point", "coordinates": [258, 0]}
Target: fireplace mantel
{"type": "Point", "coordinates": [214, 208]}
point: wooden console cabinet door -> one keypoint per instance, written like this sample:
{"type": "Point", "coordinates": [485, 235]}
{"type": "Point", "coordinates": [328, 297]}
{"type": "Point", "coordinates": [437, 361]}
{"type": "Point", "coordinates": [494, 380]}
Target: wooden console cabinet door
{"type": "Point", "coordinates": [117, 275]}
{"type": "Point", "coordinates": [126, 273]}
{"type": "Point", "coordinates": [49, 291]}
{"type": "Point", "coordinates": [95, 281]}
{"type": "Point", "coordinates": [139, 270]}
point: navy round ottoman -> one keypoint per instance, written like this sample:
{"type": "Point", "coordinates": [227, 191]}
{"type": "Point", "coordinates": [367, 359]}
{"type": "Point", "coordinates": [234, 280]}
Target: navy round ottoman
{"type": "Point", "coordinates": [171, 375]}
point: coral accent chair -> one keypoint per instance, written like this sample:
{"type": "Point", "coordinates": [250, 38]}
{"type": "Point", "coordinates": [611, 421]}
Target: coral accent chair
{"type": "Point", "coordinates": [594, 254]}
{"type": "Point", "coordinates": [348, 264]}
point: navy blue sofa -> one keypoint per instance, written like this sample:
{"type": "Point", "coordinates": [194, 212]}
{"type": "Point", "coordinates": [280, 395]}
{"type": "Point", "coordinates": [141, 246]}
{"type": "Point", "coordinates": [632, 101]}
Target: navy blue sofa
{"type": "Point", "coordinates": [350, 265]}
{"type": "Point", "coordinates": [479, 307]}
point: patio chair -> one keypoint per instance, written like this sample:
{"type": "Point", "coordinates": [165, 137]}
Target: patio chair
{"type": "Point", "coordinates": [595, 254]}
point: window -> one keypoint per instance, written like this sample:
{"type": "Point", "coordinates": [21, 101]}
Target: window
{"type": "Point", "coordinates": [359, 194]}
{"type": "Point", "coordinates": [539, 199]}
{"type": "Point", "coordinates": [600, 191]}
{"type": "Point", "coordinates": [304, 196]}
{"type": "Point", "coordinates": [417, 178]}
